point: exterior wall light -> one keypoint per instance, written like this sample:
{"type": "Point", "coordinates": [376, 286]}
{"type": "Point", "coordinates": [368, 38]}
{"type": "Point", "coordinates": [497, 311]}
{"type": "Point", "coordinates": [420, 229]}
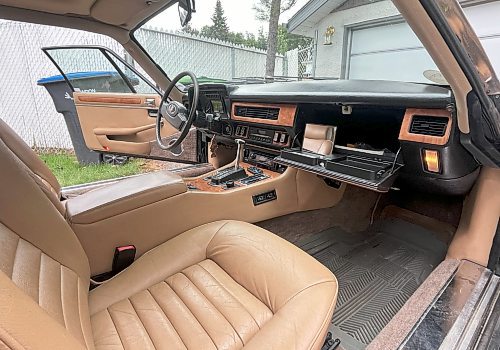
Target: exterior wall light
{"type": "Point", "coordinates": [330, 30]}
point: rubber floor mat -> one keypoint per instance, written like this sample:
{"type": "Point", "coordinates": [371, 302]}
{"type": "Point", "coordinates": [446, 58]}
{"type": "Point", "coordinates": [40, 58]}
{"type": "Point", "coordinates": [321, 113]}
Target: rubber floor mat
{"type": "Point", "coordinates": [377, 272]}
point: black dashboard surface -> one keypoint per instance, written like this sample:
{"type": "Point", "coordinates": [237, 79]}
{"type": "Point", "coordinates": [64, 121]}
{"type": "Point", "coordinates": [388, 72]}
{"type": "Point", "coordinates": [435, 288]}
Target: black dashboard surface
{"type": "Point", "coordinates": [376, 92]}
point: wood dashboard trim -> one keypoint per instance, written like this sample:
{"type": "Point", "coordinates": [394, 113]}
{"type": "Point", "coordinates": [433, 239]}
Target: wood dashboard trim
{"type": "Point", "coordinates": [405, 135]}
{"type": "Point", "coordinates": [286, 116]}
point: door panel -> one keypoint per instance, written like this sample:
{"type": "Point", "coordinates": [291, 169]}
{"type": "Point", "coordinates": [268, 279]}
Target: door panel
{"type": "Point", "coordinates": [125, 123]}
{"type": "Point", "coordinates": [117, 106]}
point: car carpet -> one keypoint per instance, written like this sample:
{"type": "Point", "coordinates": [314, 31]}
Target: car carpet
{"type": "Point", "coordinates": [377, 272]}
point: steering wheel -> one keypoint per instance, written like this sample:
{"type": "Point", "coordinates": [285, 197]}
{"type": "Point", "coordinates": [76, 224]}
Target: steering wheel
{"type": "Point", "coordinates": [175, 113]}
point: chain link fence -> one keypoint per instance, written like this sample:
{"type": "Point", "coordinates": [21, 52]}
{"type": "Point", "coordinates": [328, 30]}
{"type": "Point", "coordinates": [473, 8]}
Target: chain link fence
{"type": "Point", "coordinates": [29, 110]}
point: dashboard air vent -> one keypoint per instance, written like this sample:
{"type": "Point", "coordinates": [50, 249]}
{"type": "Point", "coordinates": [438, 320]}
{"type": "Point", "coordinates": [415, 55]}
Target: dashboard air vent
{"type": "Point", "coordinates": [257, 112]}
{"type": "Point", "coordinates": [428, 125]}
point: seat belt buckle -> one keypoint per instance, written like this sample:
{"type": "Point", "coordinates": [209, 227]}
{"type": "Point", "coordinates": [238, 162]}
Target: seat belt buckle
{"type": "Point", "coordinates": [123, 258]}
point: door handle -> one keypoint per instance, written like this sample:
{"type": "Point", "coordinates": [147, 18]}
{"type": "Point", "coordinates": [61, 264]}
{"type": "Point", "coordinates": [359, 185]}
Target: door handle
{"type": "Point", "coordinates": [153, 113]}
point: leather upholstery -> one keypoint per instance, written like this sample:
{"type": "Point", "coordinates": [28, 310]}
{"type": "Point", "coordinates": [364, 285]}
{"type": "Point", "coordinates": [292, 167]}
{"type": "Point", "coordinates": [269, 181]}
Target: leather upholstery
{"type": "Point", "coordinates": [221, 285]}
{"type": "Point", "coordinates": [319, 138]}
{"type": "Point", "coordinates": [124, 196]}
{"type": "Point", "coordinates": [37, 168]}
{"type": "Point", "coordinates": [44, 272]}
{"type": "Point", "coordinates": [225, 284]}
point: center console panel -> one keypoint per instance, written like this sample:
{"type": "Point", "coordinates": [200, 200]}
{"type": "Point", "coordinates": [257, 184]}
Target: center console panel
{"type": "Point", "coordinates": [251, 175]}
{"type": "Point", "coordinates": [374, 171]}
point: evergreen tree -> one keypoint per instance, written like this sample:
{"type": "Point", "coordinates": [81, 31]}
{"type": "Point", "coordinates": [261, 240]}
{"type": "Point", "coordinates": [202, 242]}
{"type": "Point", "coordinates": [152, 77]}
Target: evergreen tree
{"type": "Point", "coordinates": [219, 28]}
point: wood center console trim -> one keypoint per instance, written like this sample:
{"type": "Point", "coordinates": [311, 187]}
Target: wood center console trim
{"type": "Point", "coordinates": [286, 116]}
{"type": "Point", "coordinates": [405, 135]}
{"type": "Point", "coordinates": [204, 185]}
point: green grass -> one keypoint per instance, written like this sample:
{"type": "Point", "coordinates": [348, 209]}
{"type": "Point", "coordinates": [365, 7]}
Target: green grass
{"type": "Point", "coordinates": [69, 172]}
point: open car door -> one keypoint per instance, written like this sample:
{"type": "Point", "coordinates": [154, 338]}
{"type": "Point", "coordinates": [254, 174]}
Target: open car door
{"type": "Point", "coordinates": [117, 106]}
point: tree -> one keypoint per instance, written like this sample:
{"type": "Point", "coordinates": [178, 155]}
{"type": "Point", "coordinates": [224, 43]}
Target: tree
{"type": "Point", "coordinates": [219, 28]}
{"type": "Point", "coordinates": [270, 10]}
{"type": "Point", "coordinates": [190, 30]}
{"type": "Point", "coordinates": [288, 41]}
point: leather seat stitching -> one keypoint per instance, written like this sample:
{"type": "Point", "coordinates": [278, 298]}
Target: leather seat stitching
{"type": "Point", "coordinates": [40, 277]}
{"type": "Point", "coordinates": [166, 317]}
{"type": "Point", "coordinates": [189, 310]}
{"type": "Point", "coordinates": [80, 309]}
{"type": "Point", "coordinates": [306, 288]}
{"type": "Point", "coordinates": [142, 323]}
{"type": "Point", "coordinates": [15, 254]}
{"type": "Point", "coordinates": [234, 296]}
{"type": "Point", "coordinates": [116, 328]}
{"type": "Point", "coordinates": [325, 321]}
{"type": "Point", "coordinates": [62, 302]}
{"type": "Point", "coordinates": [215, 307]}
{"type": "Point", "coordinates": [213, 236]}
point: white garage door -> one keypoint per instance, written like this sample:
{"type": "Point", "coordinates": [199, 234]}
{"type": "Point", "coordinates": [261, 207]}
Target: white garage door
{"type": "Point", "coordinates": [393, 52]}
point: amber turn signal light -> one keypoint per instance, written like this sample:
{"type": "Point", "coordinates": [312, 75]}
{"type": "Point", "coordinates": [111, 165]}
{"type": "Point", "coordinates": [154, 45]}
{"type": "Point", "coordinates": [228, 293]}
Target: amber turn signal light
{"type": "Point", "coordinates": [431, 161]}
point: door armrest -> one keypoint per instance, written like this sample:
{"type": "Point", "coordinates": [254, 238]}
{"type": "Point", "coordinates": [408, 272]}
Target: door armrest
{"type": "Point", "coordinates": [123, 196]}
{"type": "Point", "coordinates": [123, 131]}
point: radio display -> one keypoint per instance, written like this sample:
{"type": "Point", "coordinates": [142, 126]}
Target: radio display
{"type": "Point", "coordinates": [217, 106]}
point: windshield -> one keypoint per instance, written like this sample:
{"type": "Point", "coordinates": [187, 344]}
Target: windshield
{"type": "Point", "coordinates": [330, 39]}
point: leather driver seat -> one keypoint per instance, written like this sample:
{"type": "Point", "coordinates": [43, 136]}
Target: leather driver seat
{"type": "Point", "coordinates": [223, 285]}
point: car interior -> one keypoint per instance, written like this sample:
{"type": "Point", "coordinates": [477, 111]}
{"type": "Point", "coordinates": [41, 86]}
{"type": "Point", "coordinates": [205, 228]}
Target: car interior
{"type": "Point", "coordinates": [323, 208]}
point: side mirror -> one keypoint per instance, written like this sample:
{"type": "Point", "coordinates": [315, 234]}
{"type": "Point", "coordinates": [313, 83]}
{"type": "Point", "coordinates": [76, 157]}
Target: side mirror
{"type": "Point", "coordinates": [186, 10]}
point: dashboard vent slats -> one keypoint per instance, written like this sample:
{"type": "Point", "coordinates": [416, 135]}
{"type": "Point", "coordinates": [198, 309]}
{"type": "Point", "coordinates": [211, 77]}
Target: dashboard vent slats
{"type": "Point", "coordinates": [428, 125]}
{"type": "Point", "coordinates": [269, 113]}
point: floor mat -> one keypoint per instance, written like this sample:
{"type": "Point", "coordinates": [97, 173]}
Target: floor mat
{"type": "Point", "coordinates": [377, 272]}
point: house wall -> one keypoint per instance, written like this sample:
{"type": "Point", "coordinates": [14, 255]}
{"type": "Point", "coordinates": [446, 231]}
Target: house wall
{"type": "Point", "coordinates": [329, 57]}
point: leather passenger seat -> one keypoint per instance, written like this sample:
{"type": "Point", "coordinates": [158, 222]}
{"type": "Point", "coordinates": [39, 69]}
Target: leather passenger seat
{"type": "Point", "coordinates": [319, 138]}
{"type": "Point", "coordinates": [223, 285]}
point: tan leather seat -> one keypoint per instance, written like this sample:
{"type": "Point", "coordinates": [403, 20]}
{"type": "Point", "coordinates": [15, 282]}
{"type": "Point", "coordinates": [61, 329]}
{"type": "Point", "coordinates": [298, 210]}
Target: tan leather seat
{"type": "Point", "coordinates": [319, 138]}
{"type": "Point", "coordinates": [224, 285]}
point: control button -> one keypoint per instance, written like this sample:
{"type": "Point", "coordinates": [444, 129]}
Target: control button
{"type": "Point", "coordinates": [283, 138]}
{"type": "Point", "coordinates": [276, 136]}
{"type": "Point", "coordinates": [230, 184]}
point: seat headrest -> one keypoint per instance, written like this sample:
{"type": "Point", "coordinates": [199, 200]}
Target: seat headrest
{"type": "Point", "coordinates": [319, 132]}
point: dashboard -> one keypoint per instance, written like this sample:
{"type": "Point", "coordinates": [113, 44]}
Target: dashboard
{"type": "Point", "coordinates": [400, 127]}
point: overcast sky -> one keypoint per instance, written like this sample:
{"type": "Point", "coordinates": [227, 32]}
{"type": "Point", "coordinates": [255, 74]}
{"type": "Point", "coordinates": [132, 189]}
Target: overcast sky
{"type": "Point", "coordinates": [240, 15]}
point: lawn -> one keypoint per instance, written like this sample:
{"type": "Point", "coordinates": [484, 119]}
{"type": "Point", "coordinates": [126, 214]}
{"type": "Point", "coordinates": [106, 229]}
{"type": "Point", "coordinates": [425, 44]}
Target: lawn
{"type": "Point", "coordinates": [69, 172]}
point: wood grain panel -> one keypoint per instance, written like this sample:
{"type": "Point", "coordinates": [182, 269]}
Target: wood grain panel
{"type": "Point", "coordinates": [109, 99]}
{"type": "Point", "coordinates": [286, 116]}
{"type": "Point", "coordinates": [405, 135]}
{"type": "Point", "coordinates": [204, 185]}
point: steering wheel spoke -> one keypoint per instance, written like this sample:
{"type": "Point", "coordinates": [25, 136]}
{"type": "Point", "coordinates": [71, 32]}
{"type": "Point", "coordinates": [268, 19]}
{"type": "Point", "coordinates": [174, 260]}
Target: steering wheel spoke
{"type": "Point", "coordinates": [176, 114]}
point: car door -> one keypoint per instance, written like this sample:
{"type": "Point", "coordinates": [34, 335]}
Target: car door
{"type": "Point", "coordinates": [116, 105]}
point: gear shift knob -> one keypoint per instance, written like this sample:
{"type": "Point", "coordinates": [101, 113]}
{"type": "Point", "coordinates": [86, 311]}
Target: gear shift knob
{"type": "Point", "coordinates": [239, 152]}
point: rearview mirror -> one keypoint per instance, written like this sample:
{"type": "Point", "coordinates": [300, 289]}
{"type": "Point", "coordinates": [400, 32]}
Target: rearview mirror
{"type": "Point", "coordinates": [186, 9]}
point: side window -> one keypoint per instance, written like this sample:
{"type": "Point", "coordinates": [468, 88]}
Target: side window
{"type": "Point", "coordinates": [94, 69]}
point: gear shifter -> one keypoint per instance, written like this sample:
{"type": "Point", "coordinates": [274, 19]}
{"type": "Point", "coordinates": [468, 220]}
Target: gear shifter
{"type": "Point", "coordinates": [233, 173]}
{"type": "Point", "coordinates": [241, 146]}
